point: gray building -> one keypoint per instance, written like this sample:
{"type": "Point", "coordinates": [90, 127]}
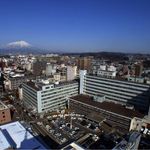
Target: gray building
{"type": "Point", "coordinates": [50, 69]}
{"type": "Point", "coordinates": [130, 142]}
{"type": "Point", "coordinates": [116, 90]}
{"type": "Point", "coordinates": [39, 66]}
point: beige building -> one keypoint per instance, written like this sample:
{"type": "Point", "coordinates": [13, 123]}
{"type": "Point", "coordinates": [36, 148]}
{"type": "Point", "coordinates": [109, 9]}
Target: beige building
{"type": "Point", "coordinates": [4, 113]}
{"type": "Point", "coordinates": [84, 64]}
{"type": "Point", "coordinates": [57, 77]}
{"type": "Point", "coordinates": [71, 72]}
{"type": "Point", "coordinates": [138, 70]}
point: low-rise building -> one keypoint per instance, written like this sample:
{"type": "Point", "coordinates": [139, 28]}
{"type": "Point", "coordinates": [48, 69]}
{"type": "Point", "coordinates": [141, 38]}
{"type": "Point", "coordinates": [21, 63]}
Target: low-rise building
{"type": "Point", "coordinates": [15, 136]}
{"type": "Point", "coordinates": [115, 114]}
{"type": "Point", "coordinates": [12, 83]}
{"type": "Point", "coordinates": [130, 142]}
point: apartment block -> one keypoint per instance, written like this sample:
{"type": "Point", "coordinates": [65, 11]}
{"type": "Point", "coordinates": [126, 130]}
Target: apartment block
{"type": "Point", "coordinates": [39, 66]}
{"type": "Point", "coordinates": [138, 70]}
{"type": "Point", "coordinates": [84, 64]}
{"type": "Point", "coordinates": [47, 97]}
{"type": "Point", "coordinates": [116, 90]}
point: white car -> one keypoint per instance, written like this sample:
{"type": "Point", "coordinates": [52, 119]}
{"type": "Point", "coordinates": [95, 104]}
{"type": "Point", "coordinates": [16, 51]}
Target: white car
{"type": "Point", "coordinates": [39, 123]}
{"type": "Point", "coordinates": [148, 132]}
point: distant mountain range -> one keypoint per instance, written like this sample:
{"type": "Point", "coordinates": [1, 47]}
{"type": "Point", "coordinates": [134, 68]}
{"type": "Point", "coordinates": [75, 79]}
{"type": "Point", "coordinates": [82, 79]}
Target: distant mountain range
{"type": "Point", "coordinates": [20, 47]}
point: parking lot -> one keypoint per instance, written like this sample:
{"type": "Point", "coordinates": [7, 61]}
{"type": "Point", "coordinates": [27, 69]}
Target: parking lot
{"type": "Point", "coordinates": [64, 127]}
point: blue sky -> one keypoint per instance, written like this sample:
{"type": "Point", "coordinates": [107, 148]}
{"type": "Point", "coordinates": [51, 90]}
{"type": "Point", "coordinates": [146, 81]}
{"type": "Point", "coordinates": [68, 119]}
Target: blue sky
{"type": "Point", "coordinates": [77, 25]}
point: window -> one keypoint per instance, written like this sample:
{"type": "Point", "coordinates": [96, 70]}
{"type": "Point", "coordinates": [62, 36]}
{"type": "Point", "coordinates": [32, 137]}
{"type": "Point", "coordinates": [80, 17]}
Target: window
{"type": "Point", "coordinates": [3, 112]}
{"type": "Point", "coordinates": [3, 116]}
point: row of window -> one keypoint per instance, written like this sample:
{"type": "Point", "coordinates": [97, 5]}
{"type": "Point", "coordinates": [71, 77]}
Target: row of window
{"type": "Point", "coordinates": [119, 87]}
{"type": "Point", "coordinates": [110, 97]}
{"type": "Point", "coordinates": [109, 81]}
{"type": "Point", "coordinates": [61, 88]}
{"type": "Point", "coordinates": [66, 92]}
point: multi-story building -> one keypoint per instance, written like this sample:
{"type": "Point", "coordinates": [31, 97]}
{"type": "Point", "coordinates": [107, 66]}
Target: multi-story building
{"type": "Point", "coordinates": [71, 72]}
{"type": "Point", "coordinates": [4, 113]}
{"type": "Point", "coordinates": [131, 141]}
{"type": "Point", "coordinates": [125, 69]}
{"type": "Point", "coordinates": [138, 70]}
{"type": "Point", "coordinates": [3, 63]}
{"type": "Point", "coordinates": [39, 66]}
{"type": "Point", "coordinates": [12, 83]}
{"type": "Point", "coordinates": [116, 90]}
{"type": "Point", "coordinates": [45, 97]}
{"type": "Point", "coordinates": [114, 114]}
{"type": "Point", "coordinates": [104, 71]}
{"type": "Point", "coordinates": [50, 69]}
{"type": "Point", "coordinates": [57, 77]}
{"type": "Point", "coordinates": [84, 64]}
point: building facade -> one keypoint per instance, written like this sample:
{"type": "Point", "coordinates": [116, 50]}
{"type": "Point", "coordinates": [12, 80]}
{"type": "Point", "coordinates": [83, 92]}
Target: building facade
{"type": "Point", "coordinates": [50, 69]}
{"type": "Point", "coordinates": [39, 66]}
{"type": "Point", "coordinates": [4, 113]}
{"type": "Point", "coordinates": [13, 83]}
{"type": "Point", "coordinates": [118, 91]}
{"type": "Point", "coordinates": [48, 97]}
{"type": "Point", "coordinates": [71, 72]}
{"type": "Point", "coordinates": [138, 70]}
{"type": "Point", "coordinates": [84, 64]}
{"type": "Point", "coordinates": [115, 114]}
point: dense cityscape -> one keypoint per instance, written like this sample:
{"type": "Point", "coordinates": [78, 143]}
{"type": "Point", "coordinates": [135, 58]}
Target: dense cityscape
{"type": "Point", "coordinates": [60, 101]}
{"type": "Point", "coordinates": [74, 74]}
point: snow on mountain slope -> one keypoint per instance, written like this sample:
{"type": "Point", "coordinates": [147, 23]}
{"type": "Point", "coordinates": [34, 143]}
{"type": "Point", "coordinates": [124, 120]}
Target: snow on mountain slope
{"type": "Point", "coordinates": [18, 44]}
{"type": "Point", "coordinates": [21, 47]}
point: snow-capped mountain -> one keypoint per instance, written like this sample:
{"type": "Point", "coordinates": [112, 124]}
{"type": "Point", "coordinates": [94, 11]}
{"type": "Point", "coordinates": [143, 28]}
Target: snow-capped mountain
{"type": "Point", "coordinates": [19, 44]}
{"type": "Point", "coordinates": [19, 47]}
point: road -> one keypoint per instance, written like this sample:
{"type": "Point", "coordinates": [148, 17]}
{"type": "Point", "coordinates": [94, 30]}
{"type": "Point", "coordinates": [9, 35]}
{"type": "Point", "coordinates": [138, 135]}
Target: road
{"type": "Point", "coordinates": [42, 133]}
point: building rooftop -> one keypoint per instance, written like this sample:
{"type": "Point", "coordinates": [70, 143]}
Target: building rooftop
{"type": "Point", "coordinates": [20, 77]}
{"type": "Point", "coordinates": [33, 85]}
{"type": "Point", "coordinates": [109, 106]}
{"type": "Point", "coordinates": [4, 144]}
{"type": "Point", "coordinates": [129, 142]}
{"type": "Point", "coordinates": [2, 106]}
{"type": "Point", "coordinates": [15, 135]}
{"type": "Point", "coordinates": [65, 83]}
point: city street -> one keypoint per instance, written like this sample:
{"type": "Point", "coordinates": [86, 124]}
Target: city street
{"type": "Point", "coordinates": [42, 134]}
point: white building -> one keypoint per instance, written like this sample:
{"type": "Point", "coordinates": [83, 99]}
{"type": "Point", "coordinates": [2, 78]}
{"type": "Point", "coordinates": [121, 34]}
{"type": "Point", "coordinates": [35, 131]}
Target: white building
{"type": "Point", "coordinates": [48, 97]}
{"type": "Point", "coordinates": [71, 72]}
{"type": "Point", "coordinates": [116, 90]}
{"type": "Point", "coordinates": [50, 69]}
{"type": "Point", "coordinates": [15, 136]}
{"type": "Point", "coordinates": [105, 73]}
